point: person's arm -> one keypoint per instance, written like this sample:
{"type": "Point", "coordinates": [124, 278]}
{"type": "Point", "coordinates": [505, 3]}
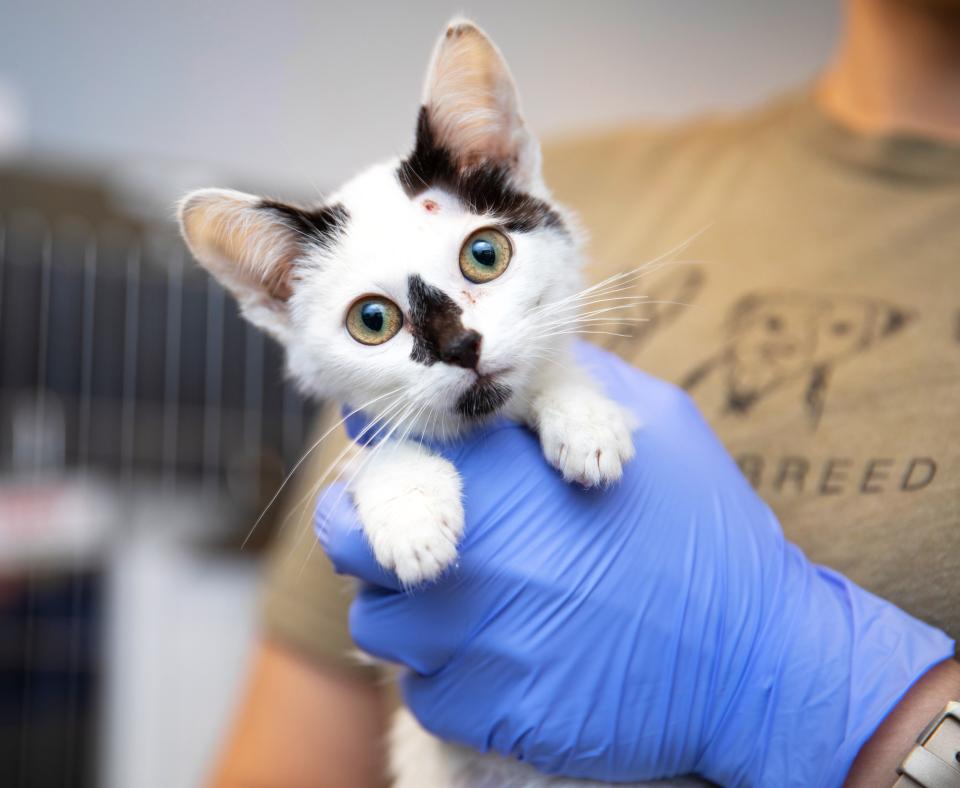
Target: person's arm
{"type": "Point", "coordinates": [301, 723]}
{"type": "Point", "coordinates": [876, 765]}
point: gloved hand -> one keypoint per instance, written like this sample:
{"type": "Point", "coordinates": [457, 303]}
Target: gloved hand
{"type": "Point", "coordinates": [660, 627]}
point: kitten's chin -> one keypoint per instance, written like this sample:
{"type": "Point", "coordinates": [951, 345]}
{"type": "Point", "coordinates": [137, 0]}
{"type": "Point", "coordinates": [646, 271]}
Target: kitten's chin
{"type": "Point", "coordinates": [482, 399]}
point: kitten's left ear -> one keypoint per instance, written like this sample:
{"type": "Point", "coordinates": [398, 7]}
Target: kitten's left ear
{"type": "Point", "coordinates": [473, 109]}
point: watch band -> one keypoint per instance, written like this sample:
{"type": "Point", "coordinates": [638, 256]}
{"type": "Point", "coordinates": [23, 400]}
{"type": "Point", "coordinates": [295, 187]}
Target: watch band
{"type": "Point", "coordinates": [934, 761]}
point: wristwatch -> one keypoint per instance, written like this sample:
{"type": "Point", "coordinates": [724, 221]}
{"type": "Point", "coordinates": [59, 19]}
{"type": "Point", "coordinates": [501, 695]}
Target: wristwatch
{"type": "Point", "coordinates": [934, 761]}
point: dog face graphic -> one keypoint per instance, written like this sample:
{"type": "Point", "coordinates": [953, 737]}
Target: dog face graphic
{"type": "Point", "coordinates": [775, 338]}
{"type": "Point", "coordinates": [666, 296]}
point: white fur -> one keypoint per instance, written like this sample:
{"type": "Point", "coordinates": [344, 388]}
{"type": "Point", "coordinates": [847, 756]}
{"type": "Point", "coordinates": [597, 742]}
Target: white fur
{"type": "Point", "coordinates": [408, 498]}
{"type": "Point", "coordinates": [585, 435]}
{"type": "Point", "coordinates": [421, 761]}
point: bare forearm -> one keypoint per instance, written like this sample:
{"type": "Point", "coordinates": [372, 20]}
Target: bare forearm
{"type": "Point", "coordinates": [304, 724]}
{"type": "Point", "coordinates": [876, 765]}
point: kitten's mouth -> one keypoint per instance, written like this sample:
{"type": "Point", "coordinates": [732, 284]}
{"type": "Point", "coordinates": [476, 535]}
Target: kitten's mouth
{"type": "Point", "coordinates": [484, 397]}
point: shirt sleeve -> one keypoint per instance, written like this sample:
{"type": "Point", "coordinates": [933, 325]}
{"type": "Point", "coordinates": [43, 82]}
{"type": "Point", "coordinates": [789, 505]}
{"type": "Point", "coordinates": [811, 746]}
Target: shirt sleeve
{"type": "Point", "coordinates": [305, 603]}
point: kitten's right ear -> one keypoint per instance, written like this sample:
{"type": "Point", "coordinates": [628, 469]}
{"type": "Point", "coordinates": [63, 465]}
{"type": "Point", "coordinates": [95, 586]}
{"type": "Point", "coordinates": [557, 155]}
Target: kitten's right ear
{"type": "Point", "coordinates": [253, 246]}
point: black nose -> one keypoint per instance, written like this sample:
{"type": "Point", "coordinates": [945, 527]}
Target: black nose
{"type": "Point", "coordinates": [462, 349]}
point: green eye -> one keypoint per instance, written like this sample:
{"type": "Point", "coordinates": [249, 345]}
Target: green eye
{"type": "Point", "coordinates": [485, 255]}
{"type": "Point", "coordinates": [372, 320]}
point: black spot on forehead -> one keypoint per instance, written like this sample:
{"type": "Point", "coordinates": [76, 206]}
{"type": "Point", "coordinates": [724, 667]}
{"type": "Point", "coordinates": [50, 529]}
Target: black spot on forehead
{"type": "Point", "coordinates": [318, 225]}
{"type": "Point", "coordinates": [483, 189]}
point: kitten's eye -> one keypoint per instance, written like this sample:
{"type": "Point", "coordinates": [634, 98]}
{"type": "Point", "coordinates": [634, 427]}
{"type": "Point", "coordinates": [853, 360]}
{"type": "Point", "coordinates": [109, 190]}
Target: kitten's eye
{"type": "Point", "coordinates": [485, 255]}
{"type": "Point", "coordinates": [373, 320]}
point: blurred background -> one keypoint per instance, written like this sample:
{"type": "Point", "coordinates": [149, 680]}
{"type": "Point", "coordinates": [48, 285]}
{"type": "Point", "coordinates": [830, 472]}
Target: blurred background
{"type": "Point", "coordinates": [143, 426]}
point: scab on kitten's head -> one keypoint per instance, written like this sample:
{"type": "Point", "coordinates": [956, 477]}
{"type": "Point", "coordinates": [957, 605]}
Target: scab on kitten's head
{"type": "Point", "coordinates": [420, 287]}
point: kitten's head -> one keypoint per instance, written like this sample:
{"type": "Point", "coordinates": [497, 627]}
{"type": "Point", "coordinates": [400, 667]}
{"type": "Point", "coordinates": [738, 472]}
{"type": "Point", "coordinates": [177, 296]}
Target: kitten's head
{"type": "Point", "coordinates": [425, 285]}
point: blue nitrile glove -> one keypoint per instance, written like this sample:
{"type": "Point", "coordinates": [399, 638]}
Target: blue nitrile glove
{"type": "Point", "coordinates": [658, 628]}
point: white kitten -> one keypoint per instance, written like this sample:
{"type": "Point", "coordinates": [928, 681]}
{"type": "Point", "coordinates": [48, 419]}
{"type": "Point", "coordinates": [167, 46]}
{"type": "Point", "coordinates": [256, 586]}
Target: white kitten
{"type": "Point", "coordinates": [433, 293]}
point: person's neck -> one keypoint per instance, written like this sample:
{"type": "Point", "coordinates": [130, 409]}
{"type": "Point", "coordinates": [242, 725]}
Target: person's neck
{"type": "Point", "coordinates": [897, 69]}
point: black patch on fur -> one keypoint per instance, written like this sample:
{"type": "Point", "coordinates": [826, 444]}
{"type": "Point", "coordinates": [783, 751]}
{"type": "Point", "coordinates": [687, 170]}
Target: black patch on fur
{"type": "Point", "coordinates": [438, 334]}
{"type": "Point", "coordinates": [320, 225]}
{"type": "Point", "coordinates": [482, 399]}
{"type": "Point", "coordinates": [484, 188]}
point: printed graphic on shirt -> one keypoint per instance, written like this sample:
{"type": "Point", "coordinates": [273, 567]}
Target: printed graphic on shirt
{"type": "Point", "coordinates": [666, 298]}
{"type": "Point", "coordinates": [790, 338]}
{"type": "Point", "coordinates": [836, 475]}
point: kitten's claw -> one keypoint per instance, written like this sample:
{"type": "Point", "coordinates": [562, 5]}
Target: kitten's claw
{"type": "Point", "coordinates": [586, 436]}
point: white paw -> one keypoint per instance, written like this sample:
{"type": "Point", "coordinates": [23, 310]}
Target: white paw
{"type": "Point", "coordinates": [585, 436]}
{"type": "Point", "coordinates": [415, 537]}
{"type": "Point", "coordinates": [412, 514]}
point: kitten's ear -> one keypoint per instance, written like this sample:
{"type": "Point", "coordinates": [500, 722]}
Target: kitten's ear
{"type": "Point", "coordinates": [473, 108]}
{"type": "Point", "coordinates": [251, 246]}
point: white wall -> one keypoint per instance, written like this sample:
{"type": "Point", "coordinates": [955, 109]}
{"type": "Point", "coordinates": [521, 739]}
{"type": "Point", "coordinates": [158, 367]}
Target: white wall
{"type": "Point", "coordinates": [306, 91]}
{"type": "Point", "coordinates": [180, 629]}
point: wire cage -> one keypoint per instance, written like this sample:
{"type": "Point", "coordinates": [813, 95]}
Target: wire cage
{"type": "Point", "coordinates": [126, 377]}
{"type": "Point", "coordinates": [116, 356]}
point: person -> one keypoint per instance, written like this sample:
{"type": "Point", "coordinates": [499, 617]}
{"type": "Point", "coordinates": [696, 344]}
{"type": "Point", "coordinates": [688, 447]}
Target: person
{"type": "Point", "coordinates": [821, 344]}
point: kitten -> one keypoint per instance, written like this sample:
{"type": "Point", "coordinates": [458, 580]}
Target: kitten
{"type": "Point", "coordinates": [432, 293]}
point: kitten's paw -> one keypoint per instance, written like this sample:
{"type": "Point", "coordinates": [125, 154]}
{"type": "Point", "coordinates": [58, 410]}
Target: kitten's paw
{"type": "Point", "coordinates": [416, 537]}
{"type": "Point", "coordinates": [586, 436]}
{"type": "Point", "coordinates": [412, 514]}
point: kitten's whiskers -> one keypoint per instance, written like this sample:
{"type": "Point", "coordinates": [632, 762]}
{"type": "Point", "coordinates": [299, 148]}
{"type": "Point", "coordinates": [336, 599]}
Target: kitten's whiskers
{"type": "Point", "coordinates": [368, 456]}
{"type": "Point", "coordinates": [301, 506]}
{"type": "Point", "coordinates": [306, 454]}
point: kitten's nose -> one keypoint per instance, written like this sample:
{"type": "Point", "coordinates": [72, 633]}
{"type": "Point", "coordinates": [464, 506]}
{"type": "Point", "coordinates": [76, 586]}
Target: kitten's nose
{"type": "Point", "coordinates": [462, 349]}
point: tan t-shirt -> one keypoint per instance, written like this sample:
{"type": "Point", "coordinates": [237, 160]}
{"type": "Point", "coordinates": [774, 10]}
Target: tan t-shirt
{"type": "Point", "coordinates": [815, 318]}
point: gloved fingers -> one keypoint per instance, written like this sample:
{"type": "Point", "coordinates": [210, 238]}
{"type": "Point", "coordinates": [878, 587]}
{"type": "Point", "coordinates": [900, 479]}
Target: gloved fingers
{"type": "Point", "coordinates": [360, 428]}
{"type": "Point", "coordinates": [462, 714]}
{"type": "Point", "coordinates": [366, 431]}
{"type": "Point", "coordinates": [342, 538]}
{"type": "Point", "coordinates": [420, 631]}
{"type": "Point", "coordinates": [635, 388]}
{"type": "Point", "coordinates": [421, 695]}
{"type": "Point", "coordinates": [660, 407]}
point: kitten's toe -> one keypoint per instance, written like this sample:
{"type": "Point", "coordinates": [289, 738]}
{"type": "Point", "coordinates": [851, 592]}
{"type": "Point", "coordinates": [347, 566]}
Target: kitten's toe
{"type": "Point", "coordinates": [423, 556]}
{"type": "Point", "coordinates": [610, 464]}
